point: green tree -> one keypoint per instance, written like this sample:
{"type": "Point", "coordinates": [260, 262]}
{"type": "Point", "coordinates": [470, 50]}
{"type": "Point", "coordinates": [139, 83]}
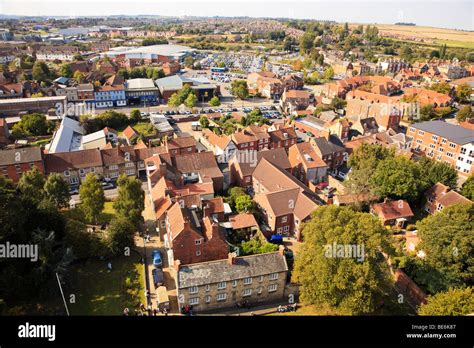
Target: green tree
{"type": "Point", "coordinates": [174, 100]}
{"type": "Point", "coordinates": [452, 302]}
{"type": "Point", "coordinates": [465, 114]}
{"type": "Point", "coordinates": [65, 70]}
{"type": "Point", "coordinates": [307, 42]}
{"type": "Point", "coordinates": [234, 193]}
{"type": "Point", "coordinates": [204, 122]}
{"type": "Point", "coordinates": [467, 189]}
{"type": "Point", "coordinates": [131, 199]}
{"type": "Point", "coordinates": [40, 71]}
{"type": "Point", "coordinates": [189, 62]}
{"type": "Point", "coordinates": [240, 89]}
{"type": "Point", "coordinates": [57, 190]}
{"type": "Point", "coordinates": [351, 284]}
{"type": "Point", "coordinates": [214, 101]}
{"type": "Point", "coordinates": [434, 172]}
{"type": "Point", "coordinates": [447, 238]}
{"type": "Point", "coordinates": [31, 185]}
{"type": "Point", "coordinates": [82, 242]}
{"type": "Point", "coordinates": [363, 162]}
{"type": "Point", "coordinates": [92, 198]}
{"type": "Point", "coordinates": [338, 103]}
{"type": "Point", "coordinates": [30, 125]}
{"type": "Point", "coordinates": [78, 76]}
{"type": "Point", "coordinates": [257, 246]}
{"type": "Point", "coordinates": [398, 177]}
{"type": "Point", "coordinates": [328, 73]}
{"type": "Point", "coordinates": [135, 116]}
{"type": "Point", "coordinates": [120, 235]}
{"type": "Point", "coordinates": [191, 100]}
{"type": "Point", "coordinates": [244, 204]}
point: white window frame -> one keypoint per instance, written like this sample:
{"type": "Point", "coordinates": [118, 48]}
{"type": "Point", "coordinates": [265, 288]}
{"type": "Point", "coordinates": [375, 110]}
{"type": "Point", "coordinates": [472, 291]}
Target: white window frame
{"type": "Point", "coordinates": [193, 290]}
{"type": "Point", "coordinates": [273, 288]}
{"type": "Point", "coordinates": [221, 297]}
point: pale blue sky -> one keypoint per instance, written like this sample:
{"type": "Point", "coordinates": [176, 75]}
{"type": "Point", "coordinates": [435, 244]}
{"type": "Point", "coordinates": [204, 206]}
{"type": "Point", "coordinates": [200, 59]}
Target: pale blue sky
{"type": "Point", "coordinates": [458, 14]}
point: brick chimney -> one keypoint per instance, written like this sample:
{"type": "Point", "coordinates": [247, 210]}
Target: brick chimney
{"type": "Point", "coordinates": [281, 250]}
{"type": "Point", "coordinates": [231, 258]}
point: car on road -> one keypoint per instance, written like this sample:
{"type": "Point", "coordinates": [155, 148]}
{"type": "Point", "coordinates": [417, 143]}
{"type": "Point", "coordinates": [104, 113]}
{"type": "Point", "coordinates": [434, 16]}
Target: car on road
{"type": "Point", "coordinates": [158, 277]}
{"type": "Point", "coordinates": [156, 257]}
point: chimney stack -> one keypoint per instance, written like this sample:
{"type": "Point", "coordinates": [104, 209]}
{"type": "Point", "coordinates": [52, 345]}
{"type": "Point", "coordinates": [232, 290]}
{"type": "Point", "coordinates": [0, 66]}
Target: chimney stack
{"type": "Point", "coordinates": [231, 258]}
{"type": "Point", "coordinates": [281, 250]}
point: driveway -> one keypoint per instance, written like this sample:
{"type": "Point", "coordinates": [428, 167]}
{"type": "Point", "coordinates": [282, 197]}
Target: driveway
{"type": "Point", "coordinates": [168, 272]}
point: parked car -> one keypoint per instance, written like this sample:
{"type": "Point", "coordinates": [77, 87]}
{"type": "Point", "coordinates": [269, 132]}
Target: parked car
{"type": "Point", "coordinates": [156, 256]}
{"type": "Point", "coordinates": [74, 191]}
{"type": "Point", "coordinates": [158, 278]}
{"type": "Point", "coordinates": [276, 239]}
{"type": "Point", "coordinates": [163, 301]}
{"type": "Point", "coordinates": [107, 185]}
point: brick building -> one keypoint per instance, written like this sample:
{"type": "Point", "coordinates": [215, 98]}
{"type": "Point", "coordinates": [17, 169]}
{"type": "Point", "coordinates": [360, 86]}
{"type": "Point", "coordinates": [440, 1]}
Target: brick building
{"type": "Point", "coordinates": [15, 162]}
{"type": "Point", "coordinates": [223, 283]}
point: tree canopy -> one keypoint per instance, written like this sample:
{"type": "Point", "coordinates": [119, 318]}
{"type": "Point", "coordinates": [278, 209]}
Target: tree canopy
{"type": "Point", "coordinates": [451, 302]}
{"type": "Point", "coordinates": [131, 199]}
{"type": "Point", "coordinates": [92, 198]}
{"type": "Point", "coordinates": [350, 283]}
{"type": "Point", "coordinates": [447, 238]}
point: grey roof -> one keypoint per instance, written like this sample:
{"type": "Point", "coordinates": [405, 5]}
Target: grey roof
{"type": "Point", "coordinates": [175, 82]}
{"type": "Point", "coordinates": [140, 84]}
{"type": "Point", "coordinates": [453, 133]}
{"type": "Point", "coordinates": [85, 87]}
{"type": "Point", "coordinates": [326, 147]}
{"type": "Point", "coordinates": [222, 271]}
{"type": "Point", "coordinates": [170, 83]}
{"type": "Point", "coordinates": [23, 155]}
{"type": "Point", "coordinates": [67, 137]}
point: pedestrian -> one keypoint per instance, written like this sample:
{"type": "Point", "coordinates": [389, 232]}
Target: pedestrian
{"type": "Point", "coordinates": [155, 312]}
{"type": "Point", "coordinates": [125, 311]}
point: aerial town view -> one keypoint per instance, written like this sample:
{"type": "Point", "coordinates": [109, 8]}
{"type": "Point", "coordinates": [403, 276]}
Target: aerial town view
{"type": "Point", "coordinates": [268, 161]}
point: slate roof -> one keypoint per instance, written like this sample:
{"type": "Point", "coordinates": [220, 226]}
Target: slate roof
{"type": "Point", "coordinates": [221, 270]}
{"type": "Point", "coordinates": [453, 133]}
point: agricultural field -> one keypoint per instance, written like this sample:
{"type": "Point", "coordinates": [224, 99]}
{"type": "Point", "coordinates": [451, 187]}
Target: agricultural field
{"type": "Point", "coordinates": [429, 35]}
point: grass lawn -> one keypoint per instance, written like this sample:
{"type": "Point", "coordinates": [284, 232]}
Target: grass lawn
{"type": "Point", "coordinates": [76, 213]}
{"type": "Point", "coordinates": [143, 127]}
{"type": "Point", "coordinates": [99, 292]}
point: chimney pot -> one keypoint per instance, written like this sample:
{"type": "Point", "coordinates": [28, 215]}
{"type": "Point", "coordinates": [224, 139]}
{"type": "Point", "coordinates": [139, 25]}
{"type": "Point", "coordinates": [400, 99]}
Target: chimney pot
{"type": "Point", "coordinates": [231, 258]}
{"type": "Point", "coordinates": [281, 250]}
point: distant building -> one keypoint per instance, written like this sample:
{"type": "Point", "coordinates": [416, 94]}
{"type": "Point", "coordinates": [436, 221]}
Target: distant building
{"type": "Point", "coordinates": [141, 92]}
{"type": "Point", "coordinates": [202, 87]}
{"type": "Point", "coordinates": [15, 162]}
{"type": "Point", "coordinates": [444, 142]}
{"type": "Point", "coordinates": [63, 53]}
{"type": "Point", "coordinates": [440, 196]}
